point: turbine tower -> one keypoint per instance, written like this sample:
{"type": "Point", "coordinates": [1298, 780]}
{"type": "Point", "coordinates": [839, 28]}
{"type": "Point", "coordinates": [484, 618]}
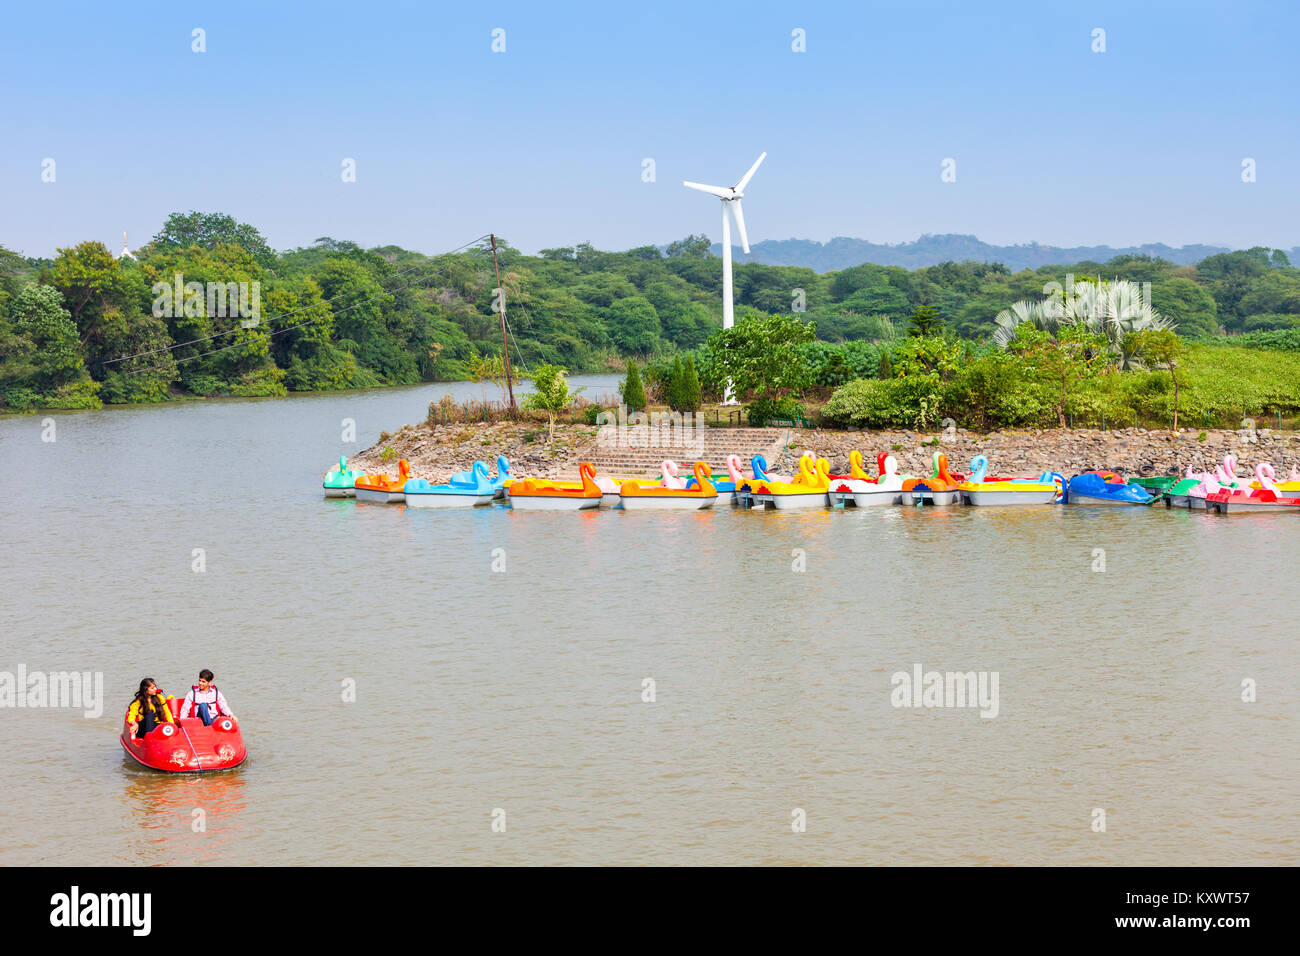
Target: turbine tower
{"type": "Point", "coordinates": [730, 196]}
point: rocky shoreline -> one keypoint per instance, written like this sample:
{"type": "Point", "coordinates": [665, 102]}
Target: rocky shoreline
{"type": "Point", "coordinates": [438, 451]}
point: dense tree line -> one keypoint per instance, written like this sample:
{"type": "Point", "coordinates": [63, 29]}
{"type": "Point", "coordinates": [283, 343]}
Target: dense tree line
{"type": "Point", "coordinates": [86, 327]}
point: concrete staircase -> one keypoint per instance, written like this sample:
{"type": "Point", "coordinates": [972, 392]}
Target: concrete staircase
{"type": "Point", "coordinates": [638, 450]}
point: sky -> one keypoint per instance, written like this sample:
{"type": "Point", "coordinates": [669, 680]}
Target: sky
{"type": "Point", "coordinates": [546, 142]}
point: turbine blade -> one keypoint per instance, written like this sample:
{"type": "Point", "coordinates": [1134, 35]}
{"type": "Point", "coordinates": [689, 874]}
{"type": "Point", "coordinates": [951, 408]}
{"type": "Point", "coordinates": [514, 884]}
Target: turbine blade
{"type": "Point", "coordinates": [744, 180]}
{"type": "Point", "coordinates": [740, 224]}
{"type": "Point", "coordinates": [722, 192]}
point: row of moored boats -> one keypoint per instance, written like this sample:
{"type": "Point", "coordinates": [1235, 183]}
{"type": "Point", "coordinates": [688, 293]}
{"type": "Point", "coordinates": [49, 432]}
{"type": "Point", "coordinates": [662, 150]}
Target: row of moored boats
{"type": "Point", "coordinates": [813, 486]}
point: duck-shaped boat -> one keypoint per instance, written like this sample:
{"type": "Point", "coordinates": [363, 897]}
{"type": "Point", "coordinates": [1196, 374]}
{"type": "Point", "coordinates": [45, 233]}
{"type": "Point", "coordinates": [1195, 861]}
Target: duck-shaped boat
{"type": "Point", "coordinates": [940, 489]}
{"type": "Point", "coordinates": [539, 494]}
{"type": "Point", "coordinates": [1104, 488]}
{"type": "Point", "coordinates": [385, 488]}
{"type": "Point", "coordinates": [808, 490]}
{"type": "Point", "coordinates": [645, 497]}
{"type": "Point", "coordinates": [1044, 490]}
{"type": "Point", "coordinates": [341, 482]}
{"type": "Point", "coordinates": [464, 490]}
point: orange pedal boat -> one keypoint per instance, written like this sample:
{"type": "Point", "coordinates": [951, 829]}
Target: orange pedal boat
{"type": "Point", "coordinates": [540, 494]}
{"type": "Point", "coordinates": [384, 488]}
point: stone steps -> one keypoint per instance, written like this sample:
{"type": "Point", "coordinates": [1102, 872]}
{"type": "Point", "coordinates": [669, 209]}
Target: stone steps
{"type": "Point", "coordinates": [713, 446]}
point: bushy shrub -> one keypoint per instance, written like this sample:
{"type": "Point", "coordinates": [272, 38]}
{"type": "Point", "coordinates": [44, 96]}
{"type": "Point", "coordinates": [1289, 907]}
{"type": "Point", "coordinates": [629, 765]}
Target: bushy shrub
{"type": "Point", "coordinates": [762, 410]}
{"type": "Point", "coordinates": [834, 365]}
{"type": "Point", "coordinates": [886, 403]}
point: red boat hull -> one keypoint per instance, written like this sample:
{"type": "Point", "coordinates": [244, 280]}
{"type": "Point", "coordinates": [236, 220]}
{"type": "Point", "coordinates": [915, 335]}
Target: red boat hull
{"type": "Point", "coordinates": [188, 747]}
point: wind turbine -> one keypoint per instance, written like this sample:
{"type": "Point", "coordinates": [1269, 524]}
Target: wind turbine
{"type": "Point", "coordinates": [730, 196]}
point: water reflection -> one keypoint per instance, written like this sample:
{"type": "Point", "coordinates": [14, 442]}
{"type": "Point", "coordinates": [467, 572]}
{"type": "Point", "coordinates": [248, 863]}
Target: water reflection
{"type": "Point", "coordinates": [185, 818]}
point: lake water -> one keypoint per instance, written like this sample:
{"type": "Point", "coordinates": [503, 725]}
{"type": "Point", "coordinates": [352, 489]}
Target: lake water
{"type": "Point", "coordinates": [522, 690]}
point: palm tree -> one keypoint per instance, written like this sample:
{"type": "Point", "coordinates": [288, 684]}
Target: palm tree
{"type": "Point", "coordinates": [1114, 309]}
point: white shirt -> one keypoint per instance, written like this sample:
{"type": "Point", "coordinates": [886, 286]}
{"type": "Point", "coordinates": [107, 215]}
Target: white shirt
{"type": "Point", "coordinates": [209, 696]}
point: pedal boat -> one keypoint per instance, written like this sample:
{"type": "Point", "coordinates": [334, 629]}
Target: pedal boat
{"type": "Point", "coordinates": [861, 490]}
{"type": "Point", "coordinates": [1044, 490]}
{"type": "Point", "coordinates": [1104, 488]}
{"type": "Point", "coordinates": [726, 489]}
{"type": "Point", "coordinates": [646, 497]}
{"type": "Point", "coordinates": [385, 488]}
{"type": "Point", "coordinates": [1268, 496]}
{"type": "Point", "coordinates": [499, 481]}
{"type": "Point", "coordinates": [808, 490]}
{"type": "Point", "coordinates": [753, 491]}
{"type": "Point", "coordinates": [539, 494]}
{"type": "Point", "coordinates": [341, 482]}
{"type": "Point", "coordinates": [459, 492]}
{"type": "Point", "coordinates": [187, 746]}
{"type": "Point", "coordinates": [940, 489]}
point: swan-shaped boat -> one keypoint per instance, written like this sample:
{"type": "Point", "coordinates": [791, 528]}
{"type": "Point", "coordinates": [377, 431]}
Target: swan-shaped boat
{"type": "Point", "coordinates": [538, 494]}
{"type": "Point", "coordinates": [726, 489]}
{"type": "Point", "coordinates": [499, 480]}
{"type": "Point", "coordinates": [1104, 488]}
{"type": "Point", "coordinates": [610, 489]}
{"type": "Point", "coordinates": [863, 490]}
{"type": "Point", "coordinates": [1268, 496]}
{"type": "Point", "coordinates": [940, 489]}
{"type": "Point", "coordinates": [341, 482]}
{"type": "Point", "coordinates": [187, 746]}
{"type": "Point", "coordinates": [751, 492]}
{"type": "Point", "coordinates": [1044, 490]}
{"type": "Point", "coordinates": [808, 490]}
{"type": "Point", "coordinates": [645, 497]}
{"type": "Point", "coordinates": [384, 488]}
{"type": "Point", "coordinates": [1206, 485]}
{"type": "Point", "coordinates": [464, 490]}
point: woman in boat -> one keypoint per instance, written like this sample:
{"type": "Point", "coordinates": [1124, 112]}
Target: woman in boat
{"type": "Point", "coordinates": [148, 709]}
{"type": "Point", "coordinates": [205, 701]}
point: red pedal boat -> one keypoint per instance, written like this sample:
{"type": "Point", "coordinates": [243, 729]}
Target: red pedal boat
{"type": "Point", "coordinates": [187, 746]}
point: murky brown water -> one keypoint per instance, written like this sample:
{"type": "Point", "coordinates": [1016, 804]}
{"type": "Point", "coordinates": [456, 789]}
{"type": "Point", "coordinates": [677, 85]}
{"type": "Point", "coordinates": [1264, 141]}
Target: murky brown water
{"type": "Point", "coordinates": [522, 690]}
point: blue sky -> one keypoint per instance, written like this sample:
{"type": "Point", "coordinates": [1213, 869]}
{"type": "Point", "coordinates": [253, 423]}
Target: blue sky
{"type": "Point", "coordinates": [544, 143]}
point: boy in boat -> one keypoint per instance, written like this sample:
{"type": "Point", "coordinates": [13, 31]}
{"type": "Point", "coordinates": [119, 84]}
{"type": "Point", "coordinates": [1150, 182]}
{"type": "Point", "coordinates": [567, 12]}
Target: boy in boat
{"type": "Point", "coordinates": [148, 709]}
{"type": "Point", "coordinates": [205, 701]}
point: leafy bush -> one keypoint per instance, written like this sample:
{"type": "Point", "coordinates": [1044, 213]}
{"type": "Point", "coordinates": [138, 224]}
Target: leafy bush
{"type": "Point", "coordinates": [762, 410]}
{"type": "Point", "coordinates": [885, 403]}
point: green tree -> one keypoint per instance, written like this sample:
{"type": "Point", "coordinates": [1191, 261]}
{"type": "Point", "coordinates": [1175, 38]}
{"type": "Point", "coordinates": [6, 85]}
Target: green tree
{"type": "Point", "coordinates": [86, 275]}
{"type": "Point", "coordinates": [631, 390]}
{"type": "Point", "coordinates": [1162, 350]}
{"type": "Point", "coordinates": [760, 355]}
{"type": "Point", "coordinates": [42, 357]}
{"type": "Point", "coordinates": [692, 390]}
{"type": "Point", "coordinates": [634, 325]}
{"type": "Point", "coordinates": [550, 394]}
{"type": "Point", "coordinates": [692, 247]}
{"type": "Point", "coordinates": [207, 230]}
{"type": "Point", "coordinates": [925, 321]}
{"type": "Point", "coordinates": [1064, 359]}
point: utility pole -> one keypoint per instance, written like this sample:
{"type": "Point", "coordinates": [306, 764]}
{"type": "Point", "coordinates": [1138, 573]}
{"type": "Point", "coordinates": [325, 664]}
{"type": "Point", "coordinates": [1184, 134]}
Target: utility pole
{"type": "Point", "coordinates": [501, 300]}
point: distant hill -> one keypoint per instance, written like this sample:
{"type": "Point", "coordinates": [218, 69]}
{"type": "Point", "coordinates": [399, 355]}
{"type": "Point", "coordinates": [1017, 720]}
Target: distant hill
{"type": "Point", "coordinates": [842, 252]}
